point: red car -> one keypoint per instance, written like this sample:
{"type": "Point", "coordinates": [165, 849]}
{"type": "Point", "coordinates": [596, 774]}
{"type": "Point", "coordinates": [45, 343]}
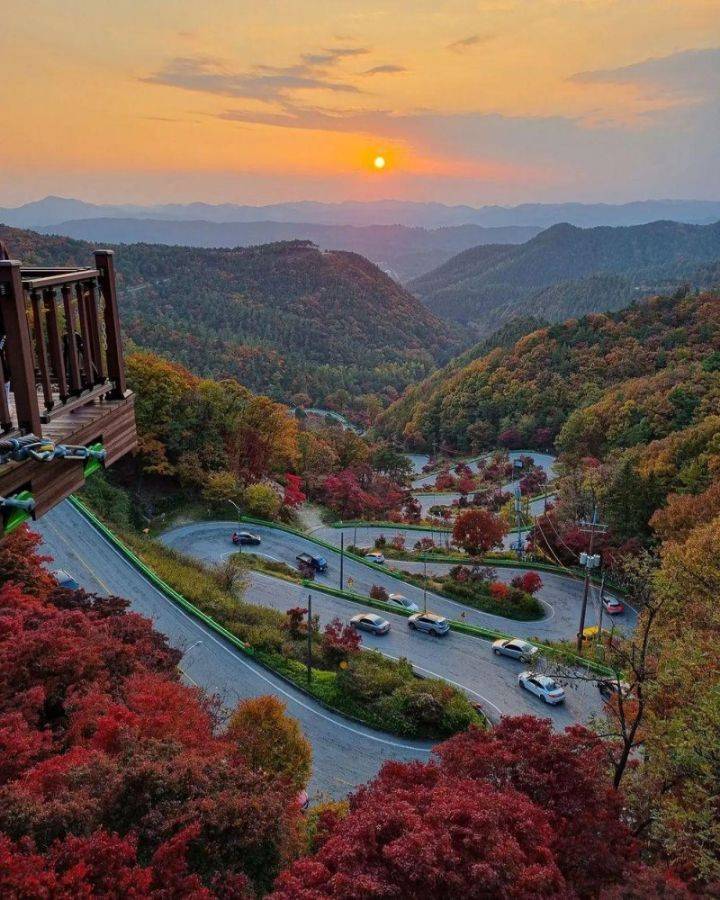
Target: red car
{"type": "Point", "coordinates": [612, 606]}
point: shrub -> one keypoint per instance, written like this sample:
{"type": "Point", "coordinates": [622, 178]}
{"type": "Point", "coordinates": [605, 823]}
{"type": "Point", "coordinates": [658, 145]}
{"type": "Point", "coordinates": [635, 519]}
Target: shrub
{"type": "Point", "coordinates": [370, 676]}
{"type": "Point", "coordinates": [339, 642]}
{"type": "Point", "coordinates": [261, 500]}
{"type": "Point", "coordinates": [499, 591]}
{"type": "Point", "coordinates": [528, 582]}
{"type": "Point", "coordinates": [378, 592]}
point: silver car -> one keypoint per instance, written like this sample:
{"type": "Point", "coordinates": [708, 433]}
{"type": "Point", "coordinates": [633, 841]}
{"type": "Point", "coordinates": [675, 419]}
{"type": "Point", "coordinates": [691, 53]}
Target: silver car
{"type": "Point", "coordinates": [542, 686]}
{"type": "Point", "coordinates": [402, 600]}
{"type": "Point", "coordinates": [515, 649]}
{"type": "Point", "coordinates": [370, 622]}
{"type": "Point", "coordinates": [430, 623]}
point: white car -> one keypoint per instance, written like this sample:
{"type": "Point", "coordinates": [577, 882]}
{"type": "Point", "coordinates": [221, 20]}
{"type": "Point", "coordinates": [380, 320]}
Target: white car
{"type": "Point", "coordinates": [370, 622]}
{"type": "Point", "coordinates": [402, 600]}
{"type": "Point", "coordinates": [542, 686]}
{"type": "Point", "coordinates": [515, 649]}
{"type": "Point", "coordinates": [376, 557]}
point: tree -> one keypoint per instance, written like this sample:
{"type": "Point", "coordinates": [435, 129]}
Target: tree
{"type": "Point", "coordinates": [266, 439]}
{"type": "Point", "coordinates": [22, 564]}
{"type": "Point", "coordinates": [293, 495]}
{"type": "Point", "coordinates": [478, 531]}
{"type": "Point", "coordinates": [221, 487]}
{"type": "Point", "coordinates": [261, 500]}
{"type": "Point", "coordinates": [530, 582]}
{"type": "Point", "coordinates": [339, 642]}
{"type": "Point", "coordinates": [270, 741]}
{"type": "Point", "coordinates": [417, 832]}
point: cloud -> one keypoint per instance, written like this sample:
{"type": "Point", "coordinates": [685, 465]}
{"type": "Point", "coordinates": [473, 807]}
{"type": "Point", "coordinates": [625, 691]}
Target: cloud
{"type": "Point", "coordinates": [387, 69]}
{"type": "Point", "coordinates": [208, 75]}
{"type": "Point", "coordinates": [333, 55]}
{"type": "Point", "coordinates": [467, 43]}
{"type": "Point", "coordinates": [692, 75]}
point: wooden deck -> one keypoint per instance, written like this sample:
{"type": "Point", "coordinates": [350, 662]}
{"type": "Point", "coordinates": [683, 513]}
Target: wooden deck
{"type": "Point", "coordinates": [109, 422]}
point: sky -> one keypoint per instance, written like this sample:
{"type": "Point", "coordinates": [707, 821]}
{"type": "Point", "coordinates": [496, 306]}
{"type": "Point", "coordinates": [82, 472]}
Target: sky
{"type": "Point", "coordinates": [492, 101]}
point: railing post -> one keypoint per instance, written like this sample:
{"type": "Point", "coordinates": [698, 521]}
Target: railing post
{"type": "Point", "coordinates": [19, 348]}
{"type": "Point", "coordinates": [105, 263]}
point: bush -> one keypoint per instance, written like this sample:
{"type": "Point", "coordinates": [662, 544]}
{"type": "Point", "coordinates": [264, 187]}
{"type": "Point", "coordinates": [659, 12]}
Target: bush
{"type": "Point", "coordinates": [370, 675]}
{"type": "Point", "coordinates": [378, 592]}
{"type": "Point", "coordinates": [262, 501]}
{"type": "Point", "coordinates": [108, 501]}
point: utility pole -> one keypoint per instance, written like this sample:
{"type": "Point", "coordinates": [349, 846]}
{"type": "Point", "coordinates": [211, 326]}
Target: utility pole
{"type": "Point", "coordinates": [518, 520]}
{"type": "Point", "coordinates": [342, 559]}
{"type": "Point", "coordinates": [309, 640]}
{"type": "Point", "coordinates": [425, 585]}
{"type": "Point", "coordinates": [590, 561]}
{"type": "Point", "coordinates": [600, 615]}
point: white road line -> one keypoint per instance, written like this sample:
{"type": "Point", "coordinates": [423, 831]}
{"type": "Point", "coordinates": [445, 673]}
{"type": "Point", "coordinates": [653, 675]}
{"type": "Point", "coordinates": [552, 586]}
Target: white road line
{"type": "Point", "coordinates": [253, 669]}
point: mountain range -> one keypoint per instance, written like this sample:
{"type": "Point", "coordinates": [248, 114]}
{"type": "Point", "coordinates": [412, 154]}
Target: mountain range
{"type": "Point", "coordinates": [568, 271]}
{"type": "Point", "coordinates": [54, 210]}
{"type": "Point", "coordinates": [399, 250]}
{"type": "Point", "coordinates": [283, 318]}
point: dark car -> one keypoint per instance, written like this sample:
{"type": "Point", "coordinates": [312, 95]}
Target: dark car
{"type": "Point", "coordinates": [65, 580]}
{"type": "Point", "coordinates": [310, 561]}
{"type": "Point", "coordinates": [245, 538]}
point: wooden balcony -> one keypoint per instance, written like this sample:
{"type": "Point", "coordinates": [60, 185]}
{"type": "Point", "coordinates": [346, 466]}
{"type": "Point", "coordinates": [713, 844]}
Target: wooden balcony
{"type": "Point", "coordinates": [62, 376]}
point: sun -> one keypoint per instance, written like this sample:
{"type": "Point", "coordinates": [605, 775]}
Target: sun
{"type": "Point", "coordinates": [379, 162]}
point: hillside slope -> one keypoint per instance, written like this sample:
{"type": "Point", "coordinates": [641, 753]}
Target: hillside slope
{"type": "Point", "coordinates": [567, 270]}
{"type": "Point", "coordinates": [400, 251]}
{"type": "Point", "coordinates": [283, 318]}
{"type": "Point", "coordinates": [652, 368]}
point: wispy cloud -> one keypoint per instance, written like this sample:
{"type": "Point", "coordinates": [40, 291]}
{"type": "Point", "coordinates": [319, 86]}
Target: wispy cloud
{"type": "Point", "coordinates": [387, 69]}
{"type": "Point", "coordinates": [692, 75]}
{"type": "Point", "coordinates": [332, 55]}
{"type": "Point", "coordinates": [268, 83]}
{"type": "Point", "coordinates": [467, 43]}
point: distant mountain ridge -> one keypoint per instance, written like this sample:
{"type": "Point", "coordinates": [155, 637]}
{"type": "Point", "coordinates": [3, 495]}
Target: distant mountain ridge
{"type": "Point", "coordinates": [283, 318]}
{"type": "Point", "coordinates": [568, 271]}
{"type": "Point", "coordinates": [399, 250]}
{"type": "Point", "coordinates": [54, 210]}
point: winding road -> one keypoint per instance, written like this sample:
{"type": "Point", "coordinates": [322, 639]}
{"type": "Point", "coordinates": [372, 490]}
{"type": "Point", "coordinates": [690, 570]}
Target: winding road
{"type": "Point", "coordinates": [345, 754]}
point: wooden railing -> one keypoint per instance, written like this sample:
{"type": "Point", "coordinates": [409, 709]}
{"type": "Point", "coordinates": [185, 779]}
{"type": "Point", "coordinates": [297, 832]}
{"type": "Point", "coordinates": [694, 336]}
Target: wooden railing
{"type": "Point", "coordinates": [62, 344]}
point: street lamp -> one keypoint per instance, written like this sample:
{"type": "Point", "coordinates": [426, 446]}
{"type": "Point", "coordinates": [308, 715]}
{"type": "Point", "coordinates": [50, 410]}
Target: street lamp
{"type": "Point", "coordinates": [192, 647]}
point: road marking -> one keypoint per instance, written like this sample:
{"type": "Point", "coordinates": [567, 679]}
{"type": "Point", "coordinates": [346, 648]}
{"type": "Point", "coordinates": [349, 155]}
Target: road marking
{"type": "Point", "coordinates": [238, 658]}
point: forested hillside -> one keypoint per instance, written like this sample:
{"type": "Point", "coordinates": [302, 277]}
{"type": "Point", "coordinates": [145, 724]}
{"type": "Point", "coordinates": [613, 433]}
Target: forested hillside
{"type": "Point", "coordinates": [285, 319]}
{"type": "Point", "coordinates": [655, 362]}
{"type": "Point", "coordinates": [568, 271]}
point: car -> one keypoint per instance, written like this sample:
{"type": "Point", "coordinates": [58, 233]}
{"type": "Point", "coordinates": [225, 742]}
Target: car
{"type": "Point", "coordinates": [370, 622]}
{"type": "Point", "coordinates": [429, 623]}
{"type": "Point", "coordinates": [402, 600]}
{"type": "Point", "coordinates": [376, 557]}
{"type": "Point", "coordinates": [612, 606]}
{"type": "Point", "coordinates": [65, 580]}
{"type": "Point", "coordinates": [612, 687]}
{"type": "Point", "coordinates": [245, 538]}
{"type": "Point", "coordinates": [309, 560]}
{"type": "Point", "coordinates": [542, 686]}
{"type": "Point", "coordinates": [515, 649]}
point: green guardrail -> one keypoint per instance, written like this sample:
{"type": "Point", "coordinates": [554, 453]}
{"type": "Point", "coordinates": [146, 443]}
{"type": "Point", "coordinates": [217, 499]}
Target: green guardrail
{"type": "Point", "coordinates": [15, 517]}
{"type": "Point", "coordinates": [155, 579]}
{"type": "Point", "coordinates": [92, 465]}
{"type": "Point", "coordinates": [487, 634]}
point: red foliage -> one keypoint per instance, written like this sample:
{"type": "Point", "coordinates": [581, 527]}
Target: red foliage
{"type": "Point", "coordinates": [530, 582]}
{"type": "Point", "coordinates": [339, 641]}
{"type": "Point", "coordinates": [445, 481]}
{"type": "Point", "coordinates": [466, 484]}
{"type": "Point", "coordinates": [499, 591]}
{"type": "Point", "coordinates": [21, 563]}
{"type": "Point", "coordinates": [293, 495]}
{"type": "Point", "coordinates": [478, 530]}
{"type": "Point", "coordinates": [511, 438]}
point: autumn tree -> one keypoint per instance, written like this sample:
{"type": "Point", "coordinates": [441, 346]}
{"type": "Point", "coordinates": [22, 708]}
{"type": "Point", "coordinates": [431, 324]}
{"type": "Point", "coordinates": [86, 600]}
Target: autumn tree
{"type": "Point", "coordinates": [339, 641]}
{"type": "Point", "coordinates": [478, 531]}
{"type": "Point", "coordinates": [261, 500]}
{"type": "Point", "coordinates": [270, 741]}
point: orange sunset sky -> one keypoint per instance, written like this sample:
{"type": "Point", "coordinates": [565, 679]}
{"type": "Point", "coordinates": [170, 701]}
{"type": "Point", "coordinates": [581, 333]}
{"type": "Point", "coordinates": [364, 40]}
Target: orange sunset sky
{"type": "Point", "coordinates": [495, 101]}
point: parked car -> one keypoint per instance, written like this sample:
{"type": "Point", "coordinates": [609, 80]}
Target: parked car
{"type": "Point", "coordinates": [515, 649]}
{"type": "Point", "coordinates": [65, 580]}
{"type": "Point", "coordinates": [542, 686]}
{"type": "Point", "coordinates": [430, 623]}
{"type": "Point", "coordinates": [402, 600]}
{"type": "Point", "coordinates": [310, 561]}
{"type": "Point", "coordinates": [370, 622]}
{"type": "Point", "coordinates": [611, 687]}
{"type": "Point", "coordinates": [245, 538]}
{"type": "Point", "coordinates": [376, 557]}
{"type": "Point", "coordinates": [612, 606]}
